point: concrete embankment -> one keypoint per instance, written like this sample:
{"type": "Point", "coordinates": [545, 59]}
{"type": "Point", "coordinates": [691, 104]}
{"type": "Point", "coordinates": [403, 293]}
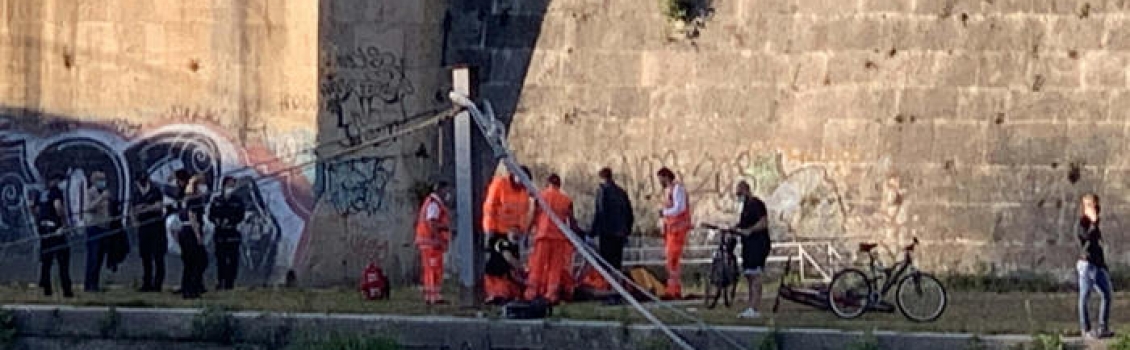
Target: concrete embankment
{"type": "Point", "coordinates": [66, 327]}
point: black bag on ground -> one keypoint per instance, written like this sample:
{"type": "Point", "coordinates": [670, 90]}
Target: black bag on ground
{"type": "Point", "coordinates": [524, 310]}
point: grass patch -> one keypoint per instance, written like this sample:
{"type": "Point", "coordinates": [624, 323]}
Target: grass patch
{"type": "Point", "coordinates": [1121, 342]}
{"type": "Point", "coordinates": [1026, 282]}
{"type": "Point", "coordinates": [1048, 342]}
{"type": "Point", "coordinates": [867, 342]}
{"type": "Point", "coordinates": [771, 340]}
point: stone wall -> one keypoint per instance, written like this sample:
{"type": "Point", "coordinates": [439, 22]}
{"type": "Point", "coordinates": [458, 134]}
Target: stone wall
{"type": "Point", "coordinates": [973, 125]}
{"type": "Point", "coordinates": [152, 86]}
{"type": "Point", "coordinates": [380, 67]}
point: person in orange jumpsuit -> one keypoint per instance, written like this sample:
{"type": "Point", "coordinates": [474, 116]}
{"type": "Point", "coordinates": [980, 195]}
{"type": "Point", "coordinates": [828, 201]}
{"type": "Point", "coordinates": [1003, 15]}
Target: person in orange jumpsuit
{"type": "Point", "coordinates": [433, 232]}
{"type": "Point", "coordinates": [676, 214]}
{"type": "Point", "coordinates": [506, 211]}
{"type": "Point", "coordinates": [552, 257]}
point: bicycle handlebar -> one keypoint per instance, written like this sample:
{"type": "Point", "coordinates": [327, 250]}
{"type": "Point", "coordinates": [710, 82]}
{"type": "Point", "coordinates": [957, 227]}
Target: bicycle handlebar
{"type": "Point", "coordinates": [910, 247]}
{"type": "Point", "coordinates": [728, 231]}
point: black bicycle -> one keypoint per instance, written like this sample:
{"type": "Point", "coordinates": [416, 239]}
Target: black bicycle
{"type": "Point", "coordinates": [919, 296]}
{"type": "Point", "coordinates": [722, 282]}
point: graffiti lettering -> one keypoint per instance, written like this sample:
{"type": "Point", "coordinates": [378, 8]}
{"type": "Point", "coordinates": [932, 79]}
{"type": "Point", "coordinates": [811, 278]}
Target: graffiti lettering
{"type": "Point", "coordinates": [275, 220]}
{"type": "Point", "coordinates": [368, 85]}
{"type": "Point", "coordinates": [196, 114]}
{"type": "Point", "coordinates": [357, 185]}
{"type": "Point", "coordinates": [297, 103]}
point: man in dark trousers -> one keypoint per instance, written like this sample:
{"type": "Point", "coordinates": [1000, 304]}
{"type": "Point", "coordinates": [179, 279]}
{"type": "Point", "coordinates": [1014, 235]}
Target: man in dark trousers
{"type": "Point", "coordinates": [96, 217]}
{"type": "Point", "coordinates": [612, 221]}
{"type": "Point", "coordinates": [152, 241]}
{"type": "Point", "coordinates": [226, 213]}
{"type": "Point", "coordinates": [52, 226]}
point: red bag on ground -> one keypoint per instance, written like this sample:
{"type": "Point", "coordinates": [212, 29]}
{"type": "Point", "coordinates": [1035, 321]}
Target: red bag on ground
{"type": "Point", "coordinates": [374, 283]}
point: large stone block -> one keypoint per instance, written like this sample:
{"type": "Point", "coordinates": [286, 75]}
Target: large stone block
{"type": "Point", "coordinates": [1027, 144]}
{"type": "Point", "coordinates": [852, 67]}
{"type": "Point", "coordinates": [1073, 33]}
{"type": "Point", "coordinates": [804, 71]}
{"type": "Point", "coordinates": [887, 6]}
{"type": "Point", "coordinates": [957, 70]}
{"type": "Point", "coordinates": [956, 223]}
{"type": "Point", "coordinates": [1003, 70]}
{"type": "Point", "coordinates": [851, 140]}
{"type": "Point", "coordinates": [983, 104]}
{"type": "Point", "coordinates": [1056, 70]}
{"type": "Point", "coordinates": [644, 32]}
{"type": "Point", "coordinates": [961, 144]}
{"type": "Point", "coordinates": [908, 143]}
{"type": "Point", "coordinates": [613, 69]}
{"type": "Point", "coordinates": [1105, 70]}
{"type": "Point", "coordinates": [872, 104]}
{"type": "Point", "coordinates": [945, 9]}
{"type": "Point", "coordinates": [667, 68]}
{"type": "Point", "coordinates": [1094, 143]}
{"type": "Point", "coordinates": [925, 104]}
{"type": "Point", "coordinates": [1117, 34]}
{"type": "Point", "coordinates": [1088, 105]}
{"type": "Point", "coordinates": [753, 103]}
{"type": "Point", "coordinates": [753, 7]}
{"type": "Point", "coordinates": [827, 7]}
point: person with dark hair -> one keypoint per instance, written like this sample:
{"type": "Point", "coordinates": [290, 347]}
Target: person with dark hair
{"type": "Point", "coordinates": [433, 233]}
{"type": "Point", "coordinates": [753, 226]}
{"type": "Point", "coordinates": [52, 225]}
{"type": "Point", "coordinates": [612, 221]}
{"type": "Point", "coordinates": [152, 242]}
{"type": "Point", "coordinates": [676, 214]}
{"type": "Point", "coordinates": [96, 217]}
{"type": "Point", "coordinates": [226, 212]}
{"type": "Point", "coordinates": [1092, 268]}
{"type": "Point", "coordinates": [191, 237]}
{"type": "Point", "coordinates": [553, 253]}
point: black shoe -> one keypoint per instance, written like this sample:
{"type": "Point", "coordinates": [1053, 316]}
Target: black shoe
{"type": "Point", "coordinates": [46, 292]}
{"type": "Point", "coordinates": [68, 294]}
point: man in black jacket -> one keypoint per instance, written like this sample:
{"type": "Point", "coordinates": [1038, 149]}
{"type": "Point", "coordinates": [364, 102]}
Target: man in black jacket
{"type": "Point", "coordinates": [226, 213]}
{"type": "Point", "coordinates": [612, 220]}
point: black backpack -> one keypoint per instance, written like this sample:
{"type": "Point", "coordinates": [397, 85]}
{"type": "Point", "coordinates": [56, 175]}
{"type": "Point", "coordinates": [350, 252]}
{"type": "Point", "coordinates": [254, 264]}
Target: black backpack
{"type": "Point", "coordinates": [525, 310]}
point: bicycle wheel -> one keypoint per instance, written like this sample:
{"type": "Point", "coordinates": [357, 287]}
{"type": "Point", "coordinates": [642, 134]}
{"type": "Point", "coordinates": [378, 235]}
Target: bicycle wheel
{"type": "Point", "coordinates": [713, 284]}
{"type": "Point", "coordinates": [733, 275]}
{"type": "Point", "coordinates": [849, 293]}
{"type": "Point", "coordinates": [921, 297]}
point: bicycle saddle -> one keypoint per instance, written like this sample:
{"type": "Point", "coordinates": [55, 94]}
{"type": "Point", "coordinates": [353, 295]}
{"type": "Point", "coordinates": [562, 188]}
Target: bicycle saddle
{"type": "Point", "coordinates": [867, 247]}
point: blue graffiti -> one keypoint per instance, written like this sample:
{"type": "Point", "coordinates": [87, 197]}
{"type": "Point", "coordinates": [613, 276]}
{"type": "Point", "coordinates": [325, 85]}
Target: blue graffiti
{"type": "Point", "coordinates": [357, 185]}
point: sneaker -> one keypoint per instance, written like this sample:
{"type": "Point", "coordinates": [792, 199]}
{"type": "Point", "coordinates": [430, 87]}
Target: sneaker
{"type": "Point", "coordinates": [749, 313]}
{"type": "Point", "coordinates": [1089, 336]}
{"type": "Point", "coordinates": [1103, 333]}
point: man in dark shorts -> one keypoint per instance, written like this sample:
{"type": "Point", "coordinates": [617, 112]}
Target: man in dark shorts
{"type": "Point", "coordinates": [753, 225]}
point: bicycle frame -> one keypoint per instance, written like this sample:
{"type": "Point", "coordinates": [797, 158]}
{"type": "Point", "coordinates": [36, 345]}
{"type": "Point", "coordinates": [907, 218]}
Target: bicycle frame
{"type": "Point", "coordinates": [899, 269]}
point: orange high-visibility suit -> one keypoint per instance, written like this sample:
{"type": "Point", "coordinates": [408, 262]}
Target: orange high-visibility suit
{"type": "Point", "coordinates": [676, 224]}
{"type": "Point", "coordinates": [432, 241]}
{"type": "Point", "coordinates": [505, 207]}
{"type": "Point", "coordinates": [553, 253]}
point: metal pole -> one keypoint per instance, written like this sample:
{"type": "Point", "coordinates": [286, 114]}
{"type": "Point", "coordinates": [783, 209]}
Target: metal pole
{"type": "Point", "coordinates": [468, 241]}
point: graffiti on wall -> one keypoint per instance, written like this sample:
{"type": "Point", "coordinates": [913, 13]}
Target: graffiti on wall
{"type": "Point", "coordinates": [278, 207]}
{"type": "Point", "coordinates": [366, 85]}
{"type": "Point", "coordinates": [357, 185]}
{"type": "Point", "coordinates": [801, 201]}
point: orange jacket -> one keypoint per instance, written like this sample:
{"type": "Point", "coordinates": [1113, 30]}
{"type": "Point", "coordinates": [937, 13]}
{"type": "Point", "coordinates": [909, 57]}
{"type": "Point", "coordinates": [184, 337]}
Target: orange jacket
{"type": "Point", "coordinates": [505, 207]}
{"type": "Point", "coordinates": [680, 221]}
{"type": "Point", "coordinates": [424, 233]}
{"type": "Point", "coordinates": [561, 205]}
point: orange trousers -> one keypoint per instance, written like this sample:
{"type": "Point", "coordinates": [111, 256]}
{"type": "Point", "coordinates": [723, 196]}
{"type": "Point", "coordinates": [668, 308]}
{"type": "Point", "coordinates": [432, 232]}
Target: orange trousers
{"type": "Point", "coordinates": [676, 240]}
{"type": "Point", "coordinates": [549, 263]}
{"type": "Point", "coordinates": [431, 261]}
{"type": "Point", "coordinates": [499, 287]}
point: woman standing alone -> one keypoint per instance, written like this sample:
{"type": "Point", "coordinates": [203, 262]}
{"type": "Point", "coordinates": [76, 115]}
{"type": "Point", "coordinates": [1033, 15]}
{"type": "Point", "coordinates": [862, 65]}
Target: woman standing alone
{"type": "Point", "coordinates": [1092, 268]}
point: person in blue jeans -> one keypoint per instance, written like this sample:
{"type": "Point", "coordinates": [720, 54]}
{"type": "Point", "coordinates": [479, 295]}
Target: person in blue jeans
{"type": "Point", "coordinates": [1092, 268]}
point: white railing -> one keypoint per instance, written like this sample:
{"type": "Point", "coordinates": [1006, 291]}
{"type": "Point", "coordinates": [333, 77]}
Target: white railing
{"type": "Point", "coordinates": [805, 254]}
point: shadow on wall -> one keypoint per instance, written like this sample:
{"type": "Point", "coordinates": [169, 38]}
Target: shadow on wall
{"type": "Point", "coordinates": [497, 37]}
{"type": "Point", "coordinates": [33, 145]}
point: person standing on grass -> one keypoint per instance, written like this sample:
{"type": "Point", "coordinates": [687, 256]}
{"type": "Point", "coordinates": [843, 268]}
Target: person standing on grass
{"type": "Point", "coordinates": [227, 212]}
{"type": "Point", "coordinates": [612, 222]}
{"type": "Point", "coordinates": [1092, 268]}
{"type": "Point", "coordinates": [52, 225]}
{"type": "Point", "coordinates": [152, 242]}
{"type": "Point", "coordinates": [191, 237]}
{"type": "Point", "coordinates": [676, 214]}
{"type": "Point", "coordinates": [96, 217]}
{"type": "Point", "coordinates": [753, 226]}
{"type": "Point", "coordinates": [433, 233]}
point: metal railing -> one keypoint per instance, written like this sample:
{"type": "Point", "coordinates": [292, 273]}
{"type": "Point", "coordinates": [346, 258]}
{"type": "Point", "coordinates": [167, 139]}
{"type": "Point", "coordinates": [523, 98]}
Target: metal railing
{"type": "Point", "coordinates": [818, 257]}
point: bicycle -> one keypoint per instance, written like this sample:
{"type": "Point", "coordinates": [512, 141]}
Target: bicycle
{"type": "Point", "coordinates": [865, 292]}
{"type": "Point", "coordinates": [724, 270]}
